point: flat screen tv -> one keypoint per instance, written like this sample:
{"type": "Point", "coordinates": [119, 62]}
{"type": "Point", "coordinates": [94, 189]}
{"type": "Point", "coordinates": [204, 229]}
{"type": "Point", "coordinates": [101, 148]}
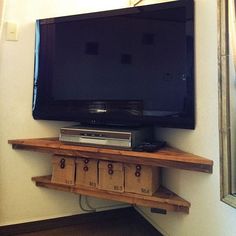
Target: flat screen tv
{"type": "Point", "coordinates": [132, 66]}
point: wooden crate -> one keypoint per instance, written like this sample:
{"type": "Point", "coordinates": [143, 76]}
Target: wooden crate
{"type": "Point", "coordinates": [111, 176]}
{"type": "Point", "coordinates": [142, 179]}
{"type": "Point", "coordinates": [63, 170]}
{"type": "Point", "coordinates": [86, 172]}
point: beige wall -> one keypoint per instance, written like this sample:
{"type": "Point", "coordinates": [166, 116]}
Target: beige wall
{"type": "Point", "coordinates": [21, 201]}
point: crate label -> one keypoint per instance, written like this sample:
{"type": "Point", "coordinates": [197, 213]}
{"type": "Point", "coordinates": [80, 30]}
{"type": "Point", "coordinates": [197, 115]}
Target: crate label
{"type": "Point", "coordinates": [68, 181]}
{"type": "Point", "coordinates": [145, 190]}
{"type": "Point", "coordinates": [92, 184]}
{"type": "Point", "coordinates": [118, 188]}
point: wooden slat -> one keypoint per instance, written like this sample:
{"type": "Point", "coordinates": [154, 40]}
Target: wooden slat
{"type": "Point", "coordinates": [166, 157]}
{"type": "Point", "coordinates": [162, 199]}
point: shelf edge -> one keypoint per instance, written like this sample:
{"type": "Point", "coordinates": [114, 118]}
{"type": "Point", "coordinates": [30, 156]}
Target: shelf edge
{"type": "Point", "coordinates": [147, 201]}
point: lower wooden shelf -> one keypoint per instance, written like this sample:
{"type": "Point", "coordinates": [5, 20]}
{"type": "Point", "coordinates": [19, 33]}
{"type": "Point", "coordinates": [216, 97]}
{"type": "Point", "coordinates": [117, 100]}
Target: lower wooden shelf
{"type": "Point", "coordinates": [162, 199]}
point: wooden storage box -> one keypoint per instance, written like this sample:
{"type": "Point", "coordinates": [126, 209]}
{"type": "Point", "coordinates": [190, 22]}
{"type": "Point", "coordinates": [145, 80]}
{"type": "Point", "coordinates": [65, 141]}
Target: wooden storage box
{"type": "Point", "coordinates": [86, 172]}
{"type": "Point", "coordinates": [111, 176]}
{"type": "Point", "coordinates": [63, 170]}
{"type": "Point", "coordinates": [142, 179]}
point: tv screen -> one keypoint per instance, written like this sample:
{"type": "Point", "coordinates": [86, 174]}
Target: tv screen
{"type": "Point", "coordinates": [132, 66]}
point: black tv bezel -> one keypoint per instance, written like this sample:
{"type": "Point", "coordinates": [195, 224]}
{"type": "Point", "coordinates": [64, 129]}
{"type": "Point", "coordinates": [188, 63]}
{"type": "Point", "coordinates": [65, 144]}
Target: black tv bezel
{"type": "Point", "coordinates": [44, 108]}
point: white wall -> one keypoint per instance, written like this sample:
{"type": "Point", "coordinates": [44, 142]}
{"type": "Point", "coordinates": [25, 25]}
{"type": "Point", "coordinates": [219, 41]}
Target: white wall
{"type": "Point", "coordinates": [208, 215]}
{"type": "Point", "coordinates": [21, 201]}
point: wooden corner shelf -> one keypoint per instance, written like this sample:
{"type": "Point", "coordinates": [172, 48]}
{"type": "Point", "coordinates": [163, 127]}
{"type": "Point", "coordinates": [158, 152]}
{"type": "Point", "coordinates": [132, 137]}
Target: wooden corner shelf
{"type": "Point", "coordinates": [166, 157]}
{"type": "Point", "coordinates": [162, 199]}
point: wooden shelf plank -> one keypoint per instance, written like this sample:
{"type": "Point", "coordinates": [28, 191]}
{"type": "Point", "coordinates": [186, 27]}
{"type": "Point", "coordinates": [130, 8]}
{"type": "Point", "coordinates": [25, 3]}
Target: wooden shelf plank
{"type": "Point", "coordinates": [162, 199]}
{"type": "Point", "coordinates": [166, 157]}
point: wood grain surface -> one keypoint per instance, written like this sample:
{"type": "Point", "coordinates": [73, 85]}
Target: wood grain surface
{"type": "Point", "coordinates": [166, 157]}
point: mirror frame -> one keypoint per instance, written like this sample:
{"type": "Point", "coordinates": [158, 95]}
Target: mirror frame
{"type": "Point", "coordinates": [224, 103]}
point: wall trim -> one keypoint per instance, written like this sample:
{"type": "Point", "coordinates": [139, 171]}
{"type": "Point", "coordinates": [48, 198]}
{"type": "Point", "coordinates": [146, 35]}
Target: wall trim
{"type": "Point", "coordinates": [151, 221]}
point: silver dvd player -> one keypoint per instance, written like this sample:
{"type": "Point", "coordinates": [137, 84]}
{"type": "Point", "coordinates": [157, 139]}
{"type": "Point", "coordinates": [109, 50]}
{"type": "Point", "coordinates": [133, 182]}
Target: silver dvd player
{"type": "Point", "coordinates": [103, 136]}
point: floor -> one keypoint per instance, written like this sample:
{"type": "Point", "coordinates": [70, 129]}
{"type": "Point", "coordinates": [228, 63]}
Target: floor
{"type": "Point", "coordinates": [135, 226]}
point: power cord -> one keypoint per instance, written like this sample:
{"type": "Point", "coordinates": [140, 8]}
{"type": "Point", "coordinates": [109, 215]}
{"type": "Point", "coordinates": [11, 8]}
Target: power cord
{"type": "Point", "coordinates": [82, 207]}
{"type": "Point", "coordinates": [105, 207]}
{"type": "Point", "coordinates": [90, 208]}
